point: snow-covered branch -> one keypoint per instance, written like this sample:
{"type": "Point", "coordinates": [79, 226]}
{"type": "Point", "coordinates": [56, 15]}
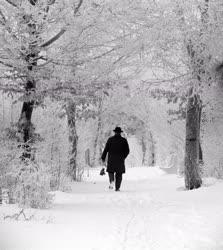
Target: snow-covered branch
{"type": "Point", "coordinates": [3, 18]}
{"type": "Point", "coordinates": [12, 3]}
{"type": "Point", "coordinates": [6, 64]}
{"type": "Point", "coordinates": [53, 39]}
{"type": "Point", "coordinates": [76, 9]}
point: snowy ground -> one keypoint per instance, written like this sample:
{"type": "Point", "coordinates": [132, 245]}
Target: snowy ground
{"type": "Point", "coordinates": [152, 212]}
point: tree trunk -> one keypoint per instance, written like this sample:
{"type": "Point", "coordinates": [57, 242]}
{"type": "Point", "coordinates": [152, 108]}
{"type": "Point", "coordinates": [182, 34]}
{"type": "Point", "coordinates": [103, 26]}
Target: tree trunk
{"type": "Point", "coordinates": [192, 151]}
{"type": "Point", "coordinates": [152, 149]}
{"type": "Point", "coordinates": [25, 124]}
{"type": "Point", "coordinates": [200, 154]}
{"type": "Point", "coordinates": [199, 58]}
{"type": "Point", "coordinates": [201, 161]}
{"type": "Point", "coordinates": [30, 56]}
{"type": "Point", "coordinates": [148, 149]}
{"type": "Point", "coordinates": [73, 139]}
{"type": "Point", "coordinates": [143, 150]}
{"type": "Point", "coordinates": [96, 146]}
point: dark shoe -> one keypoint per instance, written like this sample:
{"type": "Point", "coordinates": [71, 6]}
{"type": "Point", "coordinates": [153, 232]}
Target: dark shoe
{"type": "Point", "coordinates": [117, 189]}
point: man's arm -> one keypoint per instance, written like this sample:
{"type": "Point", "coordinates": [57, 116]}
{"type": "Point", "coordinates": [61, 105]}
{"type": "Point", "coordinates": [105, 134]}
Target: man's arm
{"type": "Point", "coordinates": [103, 156]}
{"type": "Point", "coordinates": [126, 149]}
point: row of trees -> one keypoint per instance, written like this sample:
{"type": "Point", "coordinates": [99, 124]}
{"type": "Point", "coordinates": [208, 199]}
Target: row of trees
{"type": "Point", "coordinates": [186, 57]}
{"type": "Point", "coordinates": [77, 52]}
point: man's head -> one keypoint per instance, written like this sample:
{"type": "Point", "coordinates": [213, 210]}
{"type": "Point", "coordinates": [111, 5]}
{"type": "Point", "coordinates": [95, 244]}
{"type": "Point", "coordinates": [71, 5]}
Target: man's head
{"type": "Point", "coordinates": [118, 130]}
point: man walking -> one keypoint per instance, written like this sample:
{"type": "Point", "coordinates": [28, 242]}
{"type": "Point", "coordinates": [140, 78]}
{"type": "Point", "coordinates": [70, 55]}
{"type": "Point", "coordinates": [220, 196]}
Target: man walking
{"type": "Point", "coordinates": [117, 149]}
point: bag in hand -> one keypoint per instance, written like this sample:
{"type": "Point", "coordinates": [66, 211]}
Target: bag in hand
{"type": "Point", "coordinates": [102, 172]}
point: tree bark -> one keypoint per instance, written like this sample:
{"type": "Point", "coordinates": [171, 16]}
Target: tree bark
{"type": "Point", "coordinates": [192, 149]}
{"type": "Point", "coordinates": [200, 148]}
{"type": "Point", "coordinates": [25, 124]}
{"type": "Point", "coordinates": [143, 150]}
{"type": "Point", "coordinates": [152, 150]}
{"type": "Point", "coordinates": [73, 139]}
{"type": "Point", "coordinates": [148, 149]}
{"type": "Point", "coordinates": [96, 146]}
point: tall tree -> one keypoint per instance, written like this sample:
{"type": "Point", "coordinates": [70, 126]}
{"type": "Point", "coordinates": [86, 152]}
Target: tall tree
{"type": "Point", "coordinates": [197, 52]}
{"type": "Point", "coordinates": [23, 27]}
{"type": "Point", "coordinates": [73, 138]}
{"type": "Point", "coordinates": [96, 146]}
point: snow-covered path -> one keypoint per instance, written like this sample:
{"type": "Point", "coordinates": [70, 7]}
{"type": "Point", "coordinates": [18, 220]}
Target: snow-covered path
{"type": "Point", "coordinates": [153, 213]}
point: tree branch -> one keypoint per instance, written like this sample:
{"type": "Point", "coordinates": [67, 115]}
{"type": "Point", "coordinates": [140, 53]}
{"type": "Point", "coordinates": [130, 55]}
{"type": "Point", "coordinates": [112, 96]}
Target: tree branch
{"type": "Point", "coordinates": [76, 9]}
{"type": "Point", "coordinates": [96, 57]}
{"type": "Point", "coordinates": [60, 89]}
{"type": "Point", "coordinates": [103, 54]}
{"type": "Point", "coordinates": [12, 3]}
{"type": "Point", "coordinates": [33, 2]}
{"type": "Point", "coordinates": [3, 21]}
{"type": "Point", "coordinates": [53, 39]}
{"type": "Point", "coordinates": [16, 216]}
{"type": "Point", "coordinates": [118, 60]}
{"type": "Point", "coordinates": [50, 2]}
{"type": "Point", "coordinates": [6, 64]}
{"type": "Point", "coordinates": [11, 89]}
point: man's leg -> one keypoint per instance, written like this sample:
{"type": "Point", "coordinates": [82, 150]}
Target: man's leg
{"type": "Point", "coordinates": [111, 179]}
{"type": "Point", "coordinates": [118, 181]}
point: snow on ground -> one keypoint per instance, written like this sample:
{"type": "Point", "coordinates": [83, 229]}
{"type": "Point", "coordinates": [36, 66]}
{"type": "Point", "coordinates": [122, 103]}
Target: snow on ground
{"type": "Point", "coordinates": [152, 212]}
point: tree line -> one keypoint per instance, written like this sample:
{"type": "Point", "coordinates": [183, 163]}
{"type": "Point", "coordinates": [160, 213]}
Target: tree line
{"type": "Point", "coordinates": [78, 52]}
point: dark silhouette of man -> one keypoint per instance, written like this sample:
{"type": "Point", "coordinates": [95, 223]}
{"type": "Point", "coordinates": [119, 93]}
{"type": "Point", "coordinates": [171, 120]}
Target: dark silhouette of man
{"type": "Point", "coordinates": [117, 149]}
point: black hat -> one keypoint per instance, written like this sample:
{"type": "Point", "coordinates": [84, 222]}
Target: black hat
{"type": "Point", "coordinates": [118, 130]}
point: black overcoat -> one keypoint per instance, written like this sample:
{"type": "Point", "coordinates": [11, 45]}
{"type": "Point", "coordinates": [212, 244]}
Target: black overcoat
{"type": "Point", "coordinates": [117, 149]}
